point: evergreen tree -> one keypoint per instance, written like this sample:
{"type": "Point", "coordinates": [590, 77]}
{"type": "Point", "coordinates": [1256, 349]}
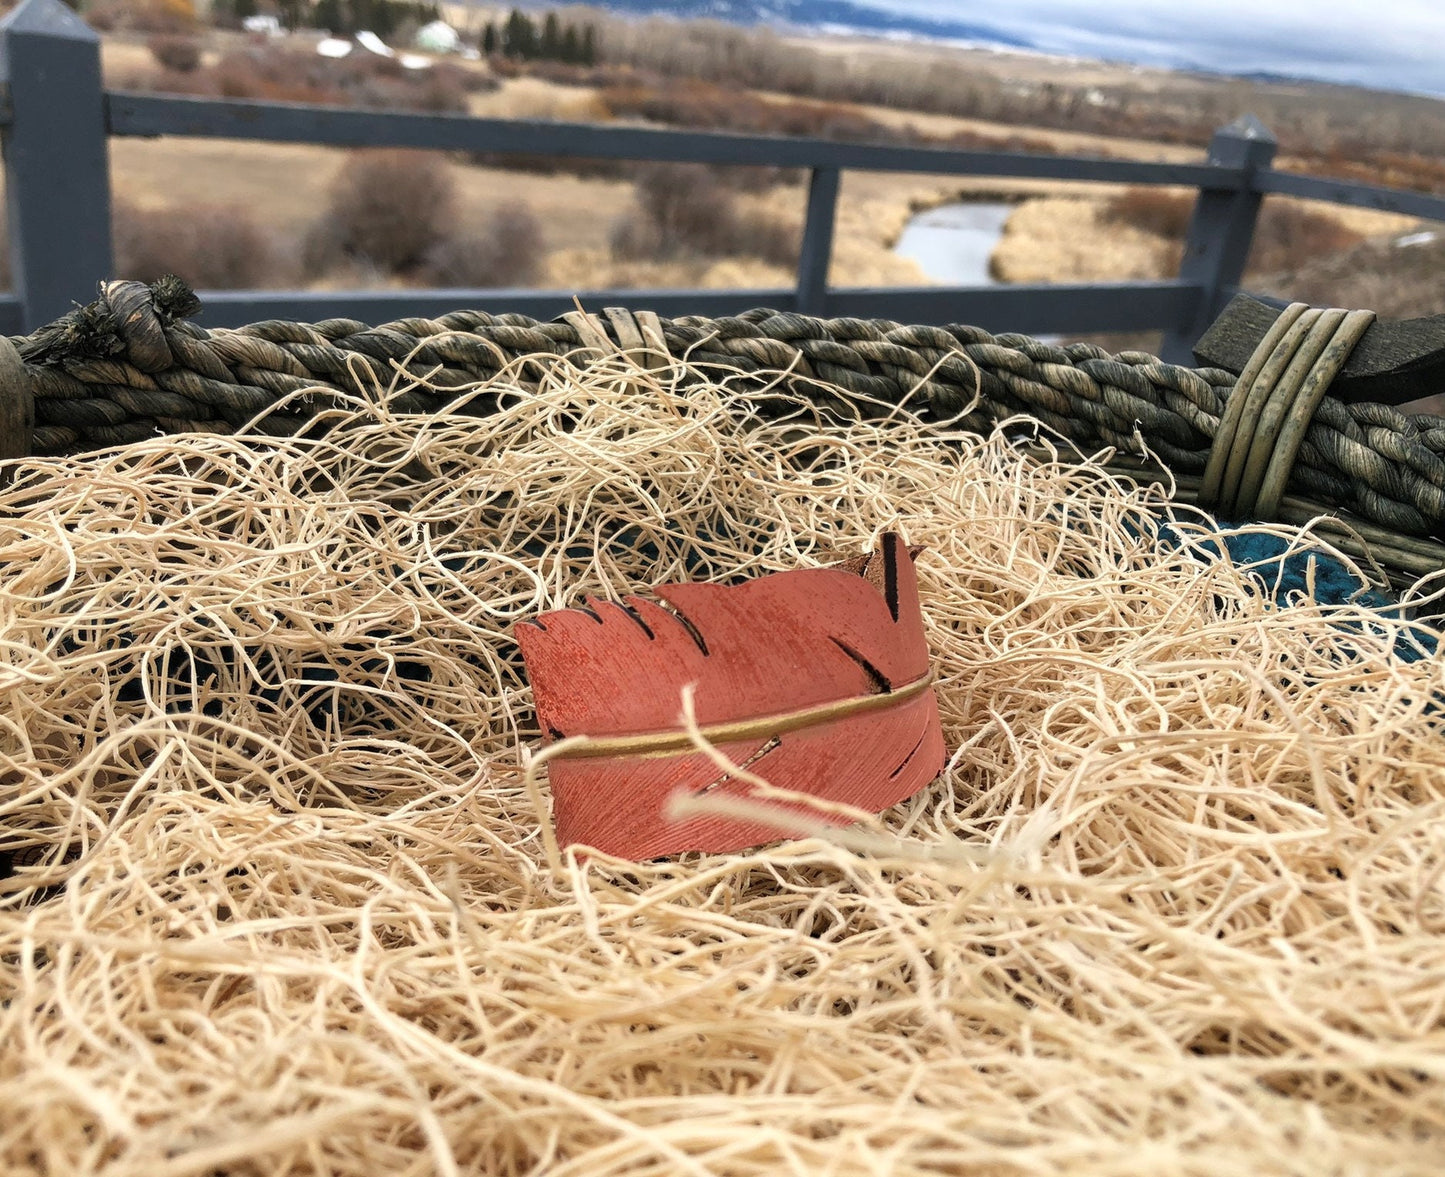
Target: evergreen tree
{"type": "Point", "coordinates": [388, 15]}
{"type": "Point", "coordinates": [571, 47]}
{"type": "Point", "coordinates": [519, 39]}
{"type": "Point", "coordinates": [588, 56]}
{"type": "Point", "coordinates": [328, 15]}
{"type": "Point", "coordinates": [551, 46]}
{"type": "Point", "coordinates": [489, 39]}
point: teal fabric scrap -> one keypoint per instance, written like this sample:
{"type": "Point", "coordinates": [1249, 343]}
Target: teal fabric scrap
{"type": "Point", "coordinates": [1282, 571]}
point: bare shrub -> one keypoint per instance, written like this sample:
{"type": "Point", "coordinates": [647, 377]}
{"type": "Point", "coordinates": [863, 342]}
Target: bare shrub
{"type": "Point", "coordinates": [1153, 210]}
{"type": "Point", "coordinates": [440, 92]}
{"type": "Point", "coordinates": [1395, 281]}
{"type": "Point", "coordinates": [244, 74]}
{"type": "Point", "coordinates": [102, 18]}
{"type": "Point", "coordinates": [1368, 162]}
{"type": "Point", "coordinates": [967, 140]}
{"type": "Point", "coordinates": [181, 54]}
{"type": "Point", "coordinates": [636, 237]}
{"type": "Point", "coordinates": [562, 73]}
{"type": "Point", "coordinates": [686, 206]}
{"type": "Point", "coordinates": [436, 91]}
{"type": "Point", "coordinates": [142, 16]}
{"type": "Point", "coordinates": [693, 103]}
{"type": "Point", "coordinates": [213, 247]}
{"type": "Point", "coordinates": [323, 253]}
{"type": "Point", "coordinates": [508, 254]}
{"type": "Point", "coordinates": [1288, 235]}
{"type": "Point", "coordinates": [388, 207]}
{"type": "Point", "coordinates": [683, 210]}
{"type": "Point", "coordinates": [269, 72]}
{"type": "Point", "coordinates": [709, 50]}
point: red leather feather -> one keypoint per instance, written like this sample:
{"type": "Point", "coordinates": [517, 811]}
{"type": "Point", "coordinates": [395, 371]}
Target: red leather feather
{"type": "Point", "coordinates": [770, 647]}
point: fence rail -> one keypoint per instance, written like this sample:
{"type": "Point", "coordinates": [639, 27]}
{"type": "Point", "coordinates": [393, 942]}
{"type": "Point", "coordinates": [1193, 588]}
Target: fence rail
{"type": "Point", "coordinates": [56, 120]}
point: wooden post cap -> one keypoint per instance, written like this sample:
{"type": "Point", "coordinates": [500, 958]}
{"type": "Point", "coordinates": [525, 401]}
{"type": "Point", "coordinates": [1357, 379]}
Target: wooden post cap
{"type": "Point", "coordinates": [1395, 361]}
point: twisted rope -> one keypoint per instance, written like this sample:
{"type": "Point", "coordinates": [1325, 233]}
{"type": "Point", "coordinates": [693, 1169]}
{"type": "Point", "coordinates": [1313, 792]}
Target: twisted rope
{"type": "Point", "coordinates": [131, 364]}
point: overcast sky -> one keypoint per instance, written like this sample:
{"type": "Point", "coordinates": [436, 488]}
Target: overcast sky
{"type": "Point", "coordinates": [1396, 44]}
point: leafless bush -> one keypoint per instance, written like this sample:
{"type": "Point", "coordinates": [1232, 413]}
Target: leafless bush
{"type": "Point", "coordinates": [213, 247]}
{"type": "Point", "coordinates": [1153, 210]}
{"type": "Point", "coordinates": [683, 210]}
{"type": "Point", "coordinates": [710, 51]}
{"type": "Point", "coordinates": [256, 73]}
{"type": "Point", "coordinates": [182, 54]}
{"type": "Point", "coordinates": [272, 73]}
{"type": "Point", "coordinates": [563, 73]}
{"type": "Point", "coordinates": [693, 103]}
{"type": "Point", "coordinates": [388, 207]}
{"type": "Point", "coordinates": [635, 237]}
{"type": "Point", "coordinates": [1286, 235]}
{"type": "Point", "coordinates": [1395, 281]}
{"type": "Point", "coordinates": [509, 253]}
{"type": "Point", "coordinates": [142, 16]}
{"type": "Point", "coordinates": [1418, 169]}
{"type": "Point", "coordinates": [102, 18]}
{"type": "Point", "coordinates": [440, 92]}
{"type": "Point", "coordinates": [686, 206]}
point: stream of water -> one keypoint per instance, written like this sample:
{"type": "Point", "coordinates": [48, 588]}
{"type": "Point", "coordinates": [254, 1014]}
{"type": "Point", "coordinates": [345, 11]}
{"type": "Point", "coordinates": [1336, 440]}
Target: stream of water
{"type": "Point", "coordinates": [952, 243]}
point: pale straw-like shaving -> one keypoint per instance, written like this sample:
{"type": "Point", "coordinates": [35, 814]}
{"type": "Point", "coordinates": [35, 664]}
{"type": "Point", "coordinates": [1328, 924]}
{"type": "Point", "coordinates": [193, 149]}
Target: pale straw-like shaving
{"type": "Point", "coordinates": [281, 903]}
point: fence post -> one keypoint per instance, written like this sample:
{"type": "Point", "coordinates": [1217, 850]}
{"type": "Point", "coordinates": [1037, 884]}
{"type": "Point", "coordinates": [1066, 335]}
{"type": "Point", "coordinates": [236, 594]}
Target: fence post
{"type": "Point", "coordinates": [1221, 230]}
{"type": "Point", "coordinates": [817, 249]}
{"type": "Point", "coordinates": [57, 180]}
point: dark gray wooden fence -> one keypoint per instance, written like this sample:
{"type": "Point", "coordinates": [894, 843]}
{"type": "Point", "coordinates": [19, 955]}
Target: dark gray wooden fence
{"type": "Point", "coordinates": [56, 120]}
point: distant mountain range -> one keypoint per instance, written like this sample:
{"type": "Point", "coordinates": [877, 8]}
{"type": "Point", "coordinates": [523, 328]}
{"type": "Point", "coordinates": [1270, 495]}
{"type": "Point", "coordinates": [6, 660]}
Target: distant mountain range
{"type": "Point", "coordinates": [838, 15]}
{"type": "Point", "coordinates": [1298, 45]}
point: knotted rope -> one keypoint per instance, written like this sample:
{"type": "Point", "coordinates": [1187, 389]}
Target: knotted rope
{"type": "Point", "coordinates": [132, 364]}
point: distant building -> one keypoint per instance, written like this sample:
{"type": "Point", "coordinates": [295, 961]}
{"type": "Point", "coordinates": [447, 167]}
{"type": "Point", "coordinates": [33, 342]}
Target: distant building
{"type": "Point", "coordinates": [438, 37]}
{"type": "Point", "coordinates": [374, 44]}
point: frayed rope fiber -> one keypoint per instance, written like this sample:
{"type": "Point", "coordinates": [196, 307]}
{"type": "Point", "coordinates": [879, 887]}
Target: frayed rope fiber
{"type": "Point", "coordinates": [278, 899]}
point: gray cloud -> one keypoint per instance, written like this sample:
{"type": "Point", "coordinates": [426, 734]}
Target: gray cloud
{"type": "Point", "coordinates": [1394, 44]}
